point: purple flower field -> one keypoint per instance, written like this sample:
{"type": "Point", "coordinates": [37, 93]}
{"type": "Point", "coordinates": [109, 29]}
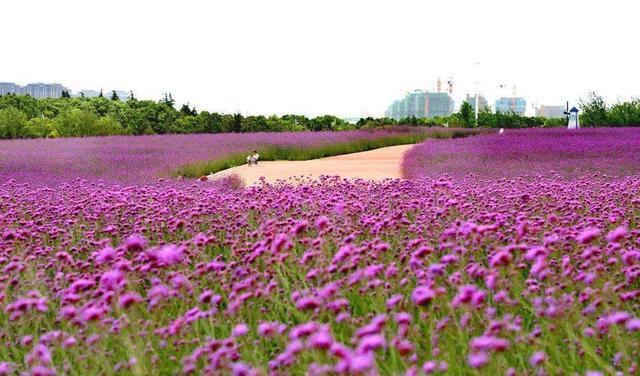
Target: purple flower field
{"type": "Point", "coordinates": [610, 151]}
{"type": "Point", "coordinates": [143, 159]}
{"type": "Point", "coordinates": [443, 273]}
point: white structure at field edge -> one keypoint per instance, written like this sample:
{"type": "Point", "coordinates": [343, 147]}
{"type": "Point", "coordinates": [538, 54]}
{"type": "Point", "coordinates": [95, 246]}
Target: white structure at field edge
{"type": "Point", "coordinates": [574, 121]}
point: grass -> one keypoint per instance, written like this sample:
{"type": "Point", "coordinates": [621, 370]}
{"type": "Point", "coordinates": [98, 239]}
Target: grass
{"type": "Point", "coordinates": [293, 153]}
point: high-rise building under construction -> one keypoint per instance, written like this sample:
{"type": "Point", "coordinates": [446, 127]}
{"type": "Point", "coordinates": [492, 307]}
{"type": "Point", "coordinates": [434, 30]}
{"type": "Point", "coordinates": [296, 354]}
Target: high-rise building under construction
{"type": "Point", "coordinates": [482, 102]}
{"type": "Point", "coordinates": [421, 104]}
{"type": "Point", "coordinates": [514, 105]}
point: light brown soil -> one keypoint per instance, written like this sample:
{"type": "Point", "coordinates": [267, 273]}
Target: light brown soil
{"type": "Point", "coordinates": [376, 165]}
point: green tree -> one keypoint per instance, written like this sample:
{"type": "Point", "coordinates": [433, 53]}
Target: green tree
{"type": "Point", "coordinates": [101, 95]}
{"type": "Point", "coordinates": [168, 100]}
{"type": "Point", "coordinates": [236, 125]}
{"type": "Point", "coordinates": [185, 110]}
{"type": "Point", "coordinates": [187, 124]}
{"type": "Point", "coordinates": [12, 123]}
{"type": "Point", "coordinates": [114, 96]}
{"type": "Point", "coordinates": [210, 122]}
{"type": "Point", "coordinates": [76, 123]}
{"type": "Point", "coordinates": [486, 118]}
{"type": "Point", "coordinates": [594, 110]}
{"type": "Point", "coordinates": [466, 114]}
{"type": "Point", "coordinates": [409, 121]}
{"type": "Point", "coordinates": [624, 113]}
{"type": "Point", "coordinates": [108, 126]}
{"type": "Point", "coordinates": [39, 128]}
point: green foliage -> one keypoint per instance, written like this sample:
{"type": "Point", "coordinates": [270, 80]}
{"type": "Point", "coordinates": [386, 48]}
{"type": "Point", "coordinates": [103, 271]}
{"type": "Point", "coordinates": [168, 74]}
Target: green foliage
{"type": "Point", "coordinates": [12, 123]}
{"type": "Point", "coordinates": [40, 128]}
{"type": "Point", "coordinates": [372, 123]}
{"type": "Point", "coordinates": [76, 122]}
{"type": "Point", "coordinates": [107, 116]}
{"type": "Point", "coordinates": [594, 112]}
{"type": "Point", "coordinates": [466, 114]}
{"type": "Point", "coordinates": [624, 114]}
{"type": "Point", "coordinates": [103, 116]}
{"type": "Point", "coordinates": [185, 110]}
{"type": "Point", "coordinates": [555, 122]}
{"type": "Point", "coordinates": [108, 126]}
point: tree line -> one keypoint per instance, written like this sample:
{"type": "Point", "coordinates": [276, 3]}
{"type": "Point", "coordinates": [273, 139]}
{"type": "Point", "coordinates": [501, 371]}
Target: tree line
{"type": "Point", "coordinates": [594, 112]}
{"type": "Point", "coordinates": [26, 117]}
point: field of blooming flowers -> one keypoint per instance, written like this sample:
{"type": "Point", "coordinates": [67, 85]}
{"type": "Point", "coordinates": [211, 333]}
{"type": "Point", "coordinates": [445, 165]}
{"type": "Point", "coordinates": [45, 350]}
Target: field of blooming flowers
{"type": "Point", "coordinates": [143, 159]}
{"type": "Point", "coordinates": [611, 151]}
{"type": "Point", "coordinates": [429, 275]}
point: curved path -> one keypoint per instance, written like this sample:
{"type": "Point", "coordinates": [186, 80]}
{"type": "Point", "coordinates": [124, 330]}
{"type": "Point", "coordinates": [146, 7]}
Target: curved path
{"type": "Point", "coordinates": [378, 164]}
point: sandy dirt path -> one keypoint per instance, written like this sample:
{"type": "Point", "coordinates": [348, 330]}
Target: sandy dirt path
{"type": "Point", "coordinates": [378, 164]}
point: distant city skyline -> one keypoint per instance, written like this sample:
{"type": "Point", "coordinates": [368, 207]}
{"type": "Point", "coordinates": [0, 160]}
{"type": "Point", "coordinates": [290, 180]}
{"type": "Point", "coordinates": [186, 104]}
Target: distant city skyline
{"type": "Point", "coordinates": [421, 104]}
{"type": "Point", "coordinates": [331, 57]}
{"type": "Point", "coordinates": [40, 90]}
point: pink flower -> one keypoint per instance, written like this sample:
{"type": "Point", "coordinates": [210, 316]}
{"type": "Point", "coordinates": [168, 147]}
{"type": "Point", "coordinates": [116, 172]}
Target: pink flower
{"type": "Point", "coordinates": [633, 325]}
{"type": "Point", "coordinates": [129, 299]}
{"type": "Point", "coordinates": [321, 340]}
{"type": "Point", "coordinates": [422, 295]}
{"type": "Point", "coordinates": [40, 354]}
{"type": "Point", "coordinates": [40, 370]}
{"type": "Point", "coordinates": [322, 223]}
{"type": "Point", "coordinates": [537, 358]}
{"type": "Point", "coordinates": [240, 330]}
{"type": "Point", "coordinates": [429, 367]}
{"type": "Point", "coordinates": [360, 363]}
{"type": "Point", "coordinates": [112, 280]}
{"type": "Point", "coordinates": [206, 297]}
{"type": "Point", "coordinates": [299, 227]}
{"type": "Point", "coordinates": [240, 369]}
{"type": "Point", "coordinates": [478, 360]}
{"type": "Point", "coordinates": [167, 255]}
{"type": "Point", "coordinates": [619, 317]}
{"type": "Point", "coordinates": [5, 369]}
{"type": "Point", "coordinates": [392, 301]}
{"type": "Point", "coordinates": [371, 342]}
{"type": "Point", "coordinates": [502, 258]}
{"type": "Point", "coordinates": [68, 342]}
{"type": "Point", "coordinates": [308, 303]}
{"type": "Point", "coordinates": [269, 329]}
{"type": "Point", "coordinates": [617, 234]}
{"type": "Point", "coordinates": [489, 343]}
{"type": "Point", "coordinates": [104, 256]}
{"type": "Point", "coordinates": [92, 314]}
{"type": "Point", "coordinates": [135, 243]}
{"type": "Point", "coordinates": [588, 235]}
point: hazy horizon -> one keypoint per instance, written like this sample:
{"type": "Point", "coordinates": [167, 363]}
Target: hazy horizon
{"type": "Point", "coordinates": [309, 57]}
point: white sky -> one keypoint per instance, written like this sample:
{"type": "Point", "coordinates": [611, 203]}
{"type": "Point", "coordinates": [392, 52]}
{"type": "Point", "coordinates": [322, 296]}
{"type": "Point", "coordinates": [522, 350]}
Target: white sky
{"type": "Point", "coordinates": [342, 57]}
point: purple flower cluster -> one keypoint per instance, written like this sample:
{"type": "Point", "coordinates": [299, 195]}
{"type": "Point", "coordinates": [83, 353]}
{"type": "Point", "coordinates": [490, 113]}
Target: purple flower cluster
{"type": "Point", "coordinates": [563, 152]}
{"type": "Point", "coordinates": [143, 159]}
{"type": "Point", "coordinates": [401, 277]}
